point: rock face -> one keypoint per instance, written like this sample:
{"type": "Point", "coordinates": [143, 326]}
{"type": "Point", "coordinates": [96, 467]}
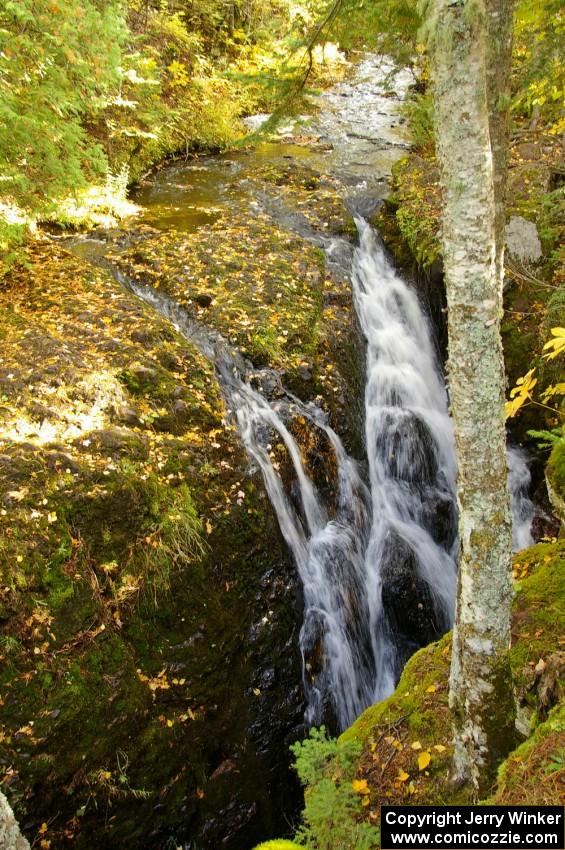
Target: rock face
{"type": "Point", "coordinates": [10, 835]}
{"type": "Point", "coordinates": [522, 240]}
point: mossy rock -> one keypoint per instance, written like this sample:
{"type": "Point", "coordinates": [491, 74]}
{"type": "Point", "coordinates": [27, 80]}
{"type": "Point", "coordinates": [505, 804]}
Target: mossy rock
{"type": "Point", "coordinates": [532, 774]}
{"type": "Point", "coordinates": [538, 610]}
{"type": "Point", "coordinates": [555, 479]}
{"type": "Point", "coordinates": [416, 718]}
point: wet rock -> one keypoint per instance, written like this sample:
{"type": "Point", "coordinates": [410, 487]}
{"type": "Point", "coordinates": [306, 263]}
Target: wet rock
{"type": "Point", "coordinates": [267, 382]}
{"type": "Point", "coordinates": [312, 644]}
{"type": "Point", "coordinates": [406, 598]}
{"type": "Point", "coordinates": [439, 516]}
{"type": "Point", "coordinates": [405, 446]}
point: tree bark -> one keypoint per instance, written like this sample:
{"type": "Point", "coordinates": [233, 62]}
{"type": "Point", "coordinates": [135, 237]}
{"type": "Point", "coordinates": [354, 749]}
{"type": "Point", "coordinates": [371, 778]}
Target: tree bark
{"type": "Point", "coordinates": [10, 835]}
{"type": "Point", "coordinates": [499, 56]}
{"type": "Point", "coordinates": [481, 694]}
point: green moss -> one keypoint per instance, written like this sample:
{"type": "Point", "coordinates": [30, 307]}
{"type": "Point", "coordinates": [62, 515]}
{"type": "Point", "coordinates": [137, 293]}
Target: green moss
{"type": "Point", "coordinates": [417, 713]}
{"type": "Point", "coordinates": [532, 774]}
{"type": "Point", "coordinates": [428, 668]}
{"type": "Point", "coordinates": [538, 607]}
{"type": "Point", "coordinates": [556, 469]}
{"type": "Point", "coordinates": [417, 198]}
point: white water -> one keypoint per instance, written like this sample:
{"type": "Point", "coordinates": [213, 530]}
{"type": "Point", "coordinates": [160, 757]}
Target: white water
{"type": "Point", "coordinates": [402, 525]}
{"type": "Point", "coordinates": [523, 510]}
{"type": "Point", "coordinates": [409, 444]}
{"type": "Point", "coordinates": [378, 567]}
{"type": "Point", "coordinates": [393, 539]}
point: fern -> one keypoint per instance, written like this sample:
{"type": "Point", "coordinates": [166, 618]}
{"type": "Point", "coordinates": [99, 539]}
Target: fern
{"type": "Point", "coordinates": [333, 807]}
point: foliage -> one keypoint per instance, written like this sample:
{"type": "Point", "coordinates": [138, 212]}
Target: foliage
{"type": "Point", "coordinates": [547, 439]}
{"type": "Point", "coordinates": [539, 69]}
{"type": "Point", "coordinates": [334, 798]}
{"type": "Point", "coordinates": [390, 26]}
{"type": "Point", "coordinates": [58, 64]}
{"type": "Point", "coordinates": [12, 236]}
{"type": "Point", "coordinates": [522, 393]}
{"type": "Point", "coordinates": [417, 109]}
{"type": "Point", "coordinates": [555, 347]}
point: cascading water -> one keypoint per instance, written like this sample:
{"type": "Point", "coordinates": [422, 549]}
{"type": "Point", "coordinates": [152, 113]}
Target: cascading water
{"type": "Point", "coordinates": [378, 568]}
{"type": "Point", "coordinates": [523, 509]}
{"type": "Point", "coordinates": [400, 529]}
{"type": "Point", "coordinates": [411, 454]}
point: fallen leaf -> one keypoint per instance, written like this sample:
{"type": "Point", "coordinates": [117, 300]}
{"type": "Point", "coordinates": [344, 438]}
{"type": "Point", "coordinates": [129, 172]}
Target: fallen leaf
{"type": "Point", "coordinates": [424, 759]}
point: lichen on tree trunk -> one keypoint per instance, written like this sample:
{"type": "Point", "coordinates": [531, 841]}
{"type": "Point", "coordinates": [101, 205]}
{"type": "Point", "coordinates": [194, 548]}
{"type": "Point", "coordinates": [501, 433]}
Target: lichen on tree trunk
{"type": "Point", "coordinates": [481, 689]}
{"type": "Point", "coordinates": [10, 835]}
{"type": "Point", "coordinates": [499, 56]}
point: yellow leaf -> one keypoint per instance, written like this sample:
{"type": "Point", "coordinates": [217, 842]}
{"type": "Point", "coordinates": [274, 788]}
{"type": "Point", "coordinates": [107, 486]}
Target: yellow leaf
{"type": "Point", "coordinates": [557, 344]}
{"type": "Point", "coordinates": [208, 527]}
{"type": "Point", "coordinates": [416, 745]}
{"type": "Point", "coordinates": [431, 690]}
{"type": "Point", "coordinates": [403, 776]}
{"type": "Point", "coordinates": [43, 829]}
{"type": "Point", "coordinates": [360, 786]}
{"type": "Point", "coordinates": [257, 692]}
{"type": "Point", "coordinates": [169, 723]}
{"type": "Point", "coordinates": [439, 747]}
{"type": "Point", "coordinates": [424, 759]}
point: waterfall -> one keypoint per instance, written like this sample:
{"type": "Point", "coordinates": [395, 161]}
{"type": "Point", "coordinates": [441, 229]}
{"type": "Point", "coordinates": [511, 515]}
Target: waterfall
{"type": "Point", "coordinates": [399, 532]}
{"type": "Point", "coordinates": [523, 510]}
{"type": "Point", "coordinates": [411, 455]}
{"type": "Point", "coordinates": [378, 567]}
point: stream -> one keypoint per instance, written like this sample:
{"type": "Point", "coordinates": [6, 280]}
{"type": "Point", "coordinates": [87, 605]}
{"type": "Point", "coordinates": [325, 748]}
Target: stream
{"type": "Point", "coordinates": [377, 553]}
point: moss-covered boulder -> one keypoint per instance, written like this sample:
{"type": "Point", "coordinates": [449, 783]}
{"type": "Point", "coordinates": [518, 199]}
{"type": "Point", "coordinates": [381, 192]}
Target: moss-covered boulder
{"type": "Point", "coordinates": [406, 745]}
{"type": "Point", "coordinates": [555, 479]}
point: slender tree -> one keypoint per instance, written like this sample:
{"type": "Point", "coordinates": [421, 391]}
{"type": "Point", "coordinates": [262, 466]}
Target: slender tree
{"type": "Point", "coordinates": [468, 109]}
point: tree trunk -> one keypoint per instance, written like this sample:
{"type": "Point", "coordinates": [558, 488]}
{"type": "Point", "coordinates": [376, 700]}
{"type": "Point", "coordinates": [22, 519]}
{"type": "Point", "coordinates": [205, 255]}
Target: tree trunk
{"type": "Point", "coordinates": [481, 694]}
{"type": "Point", "coordinates": [499, 57]}
{"type": "Point", "coordinates": [10, 835]}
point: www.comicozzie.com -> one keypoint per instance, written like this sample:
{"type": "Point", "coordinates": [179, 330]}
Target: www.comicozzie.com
{"type": "Point", "coordinates": [438, 827]}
